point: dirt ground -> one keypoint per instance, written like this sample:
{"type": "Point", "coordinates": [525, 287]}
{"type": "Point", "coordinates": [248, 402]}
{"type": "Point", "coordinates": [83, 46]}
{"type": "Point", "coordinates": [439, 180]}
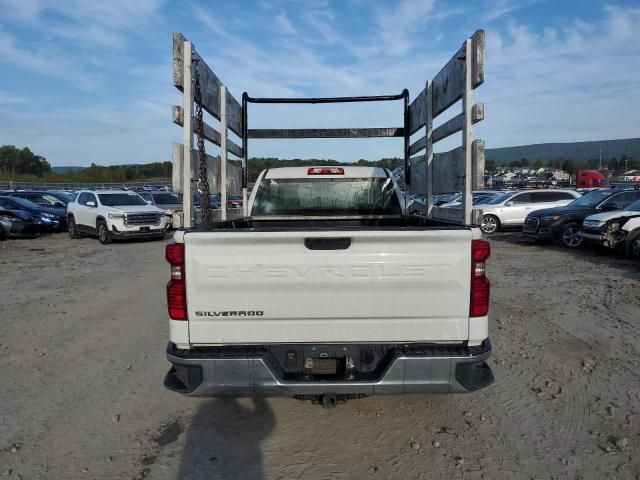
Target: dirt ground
{"type": "Point", "coordinates": [82, 335]}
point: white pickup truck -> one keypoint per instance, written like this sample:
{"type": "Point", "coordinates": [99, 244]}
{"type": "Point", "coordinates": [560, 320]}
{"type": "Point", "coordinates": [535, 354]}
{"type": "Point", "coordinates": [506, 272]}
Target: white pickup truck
{"type": "Point", "coordinates": [327, 291]}
{"type": "Point", "coordinates": [327, 288]}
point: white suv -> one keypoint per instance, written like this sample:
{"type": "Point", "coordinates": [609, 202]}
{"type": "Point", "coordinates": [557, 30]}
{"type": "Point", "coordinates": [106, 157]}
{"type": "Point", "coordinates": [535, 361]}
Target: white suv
{"type": "Point", "coordinates": [113, 214]}
{"type": "Point", "coordinates": [511, 208]}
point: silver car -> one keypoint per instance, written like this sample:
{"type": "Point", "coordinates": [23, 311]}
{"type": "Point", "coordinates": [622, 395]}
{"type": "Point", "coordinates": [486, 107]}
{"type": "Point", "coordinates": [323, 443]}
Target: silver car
{"type": "Point", "coordinates": [478, 197]}
{"type": "Point", "coordinates": [510, 209]}
{"type": "Point", "coordinates": [417, 204]}
{"type": "Point", "coordinates": [168, 201]}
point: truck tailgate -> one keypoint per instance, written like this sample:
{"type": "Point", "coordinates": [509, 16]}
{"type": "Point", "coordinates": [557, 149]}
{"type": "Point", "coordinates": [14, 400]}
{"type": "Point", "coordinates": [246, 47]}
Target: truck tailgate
{"type": "Point", "coordinates": [404, 285]}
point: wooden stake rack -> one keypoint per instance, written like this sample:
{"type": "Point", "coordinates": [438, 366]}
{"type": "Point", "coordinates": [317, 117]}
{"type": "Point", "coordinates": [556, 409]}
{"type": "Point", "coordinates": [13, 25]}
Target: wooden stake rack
{"type": "Point", "coordinates": [429, 174]}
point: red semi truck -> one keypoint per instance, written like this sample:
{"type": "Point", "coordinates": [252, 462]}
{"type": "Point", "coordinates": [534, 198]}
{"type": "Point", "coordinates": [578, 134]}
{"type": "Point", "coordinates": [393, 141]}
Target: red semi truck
{"type": "Point", "coordinates": [589, 179]}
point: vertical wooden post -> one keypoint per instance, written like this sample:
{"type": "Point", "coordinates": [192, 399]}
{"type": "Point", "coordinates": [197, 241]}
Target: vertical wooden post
{"type": "Point", "coordinates": [407, 142]}
{"type": "Point", "coordinates": [187, 172]}
{"type": "Point", "coordinates": [428, 154]}
{"type": "Point", "coordinates": [245, 154]}
{"type": "Point", "coordinates": [177, 170]}
{"type": "Point", "coordinates": [223, 152]}
{"type": "Point", "coordinates": [467, 134]}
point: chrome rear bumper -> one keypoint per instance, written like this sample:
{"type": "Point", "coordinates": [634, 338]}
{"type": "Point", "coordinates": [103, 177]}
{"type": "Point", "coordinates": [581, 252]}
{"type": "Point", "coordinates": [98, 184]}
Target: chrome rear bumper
{"type": "Point", "coordinates": [428, 368]}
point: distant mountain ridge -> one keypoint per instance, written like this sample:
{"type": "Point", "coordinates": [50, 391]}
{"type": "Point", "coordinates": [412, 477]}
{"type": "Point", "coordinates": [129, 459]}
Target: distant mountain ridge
{"type": "Point", "coordinates": [579, 151]}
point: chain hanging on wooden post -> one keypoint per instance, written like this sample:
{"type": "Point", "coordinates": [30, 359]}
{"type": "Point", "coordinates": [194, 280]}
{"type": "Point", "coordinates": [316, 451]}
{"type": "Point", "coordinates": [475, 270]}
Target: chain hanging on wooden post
{"type": "Point", "coordinates": [205, 191]}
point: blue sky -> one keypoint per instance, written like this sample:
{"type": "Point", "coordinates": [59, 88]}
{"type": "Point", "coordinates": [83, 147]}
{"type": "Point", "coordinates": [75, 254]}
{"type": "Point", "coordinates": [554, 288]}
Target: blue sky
{"type": "Point", "coordinates": [85, 81]}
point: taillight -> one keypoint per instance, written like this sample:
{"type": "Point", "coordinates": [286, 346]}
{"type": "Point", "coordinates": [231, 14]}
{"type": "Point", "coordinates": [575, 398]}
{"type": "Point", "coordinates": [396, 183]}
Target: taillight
{"type": "Point", "coordinates": [325, 171]}
{"type": "Point", "coordinates": [175, 253]}
{"type": "Point", "coordinates": [479, 305]}
{"type": "Point", "coordinates": [176, 290]}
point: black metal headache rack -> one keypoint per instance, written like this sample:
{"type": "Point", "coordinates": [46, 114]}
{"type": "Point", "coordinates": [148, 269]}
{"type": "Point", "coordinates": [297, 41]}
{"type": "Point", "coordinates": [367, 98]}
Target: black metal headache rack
{"type": "Point", "coordinates": [460, 169]}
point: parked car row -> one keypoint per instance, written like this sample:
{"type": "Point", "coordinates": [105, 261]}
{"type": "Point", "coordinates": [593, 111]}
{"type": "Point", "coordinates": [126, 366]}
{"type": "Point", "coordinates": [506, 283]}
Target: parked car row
{"type": "Point", "coordinates": [500, 209]}
{"type": "Point", "coordinates": [417, 204]}
{"type": "Point", "coordinates": [51, 218]}
{"type": "Point", "coordinates": [32, 212]}
{"type": "Point", "coordinates": [510, 209]}
{"type": "Point", "coordinates": [609, 217]}
{"type": "Point", "coordinates": [153, 188]}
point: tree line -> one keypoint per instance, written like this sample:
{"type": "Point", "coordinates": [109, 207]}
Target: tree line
{"type": "Point", "coordinates": [117, 173]}
{"type": "Point", "coordinates": [18, 163]}
{"type": "Point", "coordinates": [22, 162]}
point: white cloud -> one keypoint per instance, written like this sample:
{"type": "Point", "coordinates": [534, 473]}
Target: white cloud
{"type": "Point", "coordinates": [284, 25]}
{"type": "Point", "coordinates": [322, 20]}
{"type": "Point", "coordinates": [203, 16]}
{"type": "Point", "coordinates": [101, 23]}
{"type": "Point", "coordinates": [576, 81]}
{"type": "Point", "coordinates": [74, 37]}
{"type": "Point", "coordinates": [43, 61]}
{"type": "Point", "coordinates": [499, 8]}
{"type": "Point", "coordinates": [21, 10]}
{"type": "Point", "coordinates": [396, 26]}
{"type": "Point", "coordinates": [10, 99]}
{"type": "Point", "coordinates": [553, 83]}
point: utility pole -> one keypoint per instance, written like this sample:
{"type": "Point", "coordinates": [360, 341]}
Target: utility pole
{"type": "Point", "coordinates": [600, 159]}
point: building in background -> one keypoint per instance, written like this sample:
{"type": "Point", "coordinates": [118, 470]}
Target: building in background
{"type": "Point", "coordinates": [631, 176]}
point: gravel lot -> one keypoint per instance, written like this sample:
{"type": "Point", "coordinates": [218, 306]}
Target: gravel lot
{"type": "Point", "coordinates": [82, 336]}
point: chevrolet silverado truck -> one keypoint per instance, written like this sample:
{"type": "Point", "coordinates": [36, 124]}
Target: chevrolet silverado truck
{"type": "Point", "coordinates": [326, 288]}
{"type": "Point", "coordinates": [328, 291]}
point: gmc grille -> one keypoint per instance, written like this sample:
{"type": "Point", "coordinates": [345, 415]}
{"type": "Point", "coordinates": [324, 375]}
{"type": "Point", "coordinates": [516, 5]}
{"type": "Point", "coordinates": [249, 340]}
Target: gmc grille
{"type": "Point", "coordinates": [135, 219]}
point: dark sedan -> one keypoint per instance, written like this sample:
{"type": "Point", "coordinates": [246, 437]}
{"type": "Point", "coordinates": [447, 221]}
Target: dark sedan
{"type": "Point", "coordinates": [213, 201]}
{"type": "Point", "coordinates": [15, 223]}
{"type": "Point", "coordinates": [53, 218]}
{"type": "Point", "coordinates": [44, 198]}
{"type": "Point", "coordinates": [564, 224]}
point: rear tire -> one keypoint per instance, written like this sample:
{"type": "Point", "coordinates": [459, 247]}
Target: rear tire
{"type": "Point", "coordinates": [632, 245]}
{"type": "Point", "coordinates": [569, 237]}
{"type": "Point", "coordinates": [104, 236]}
{"type": "Point", "coordinates": [72, 228]}
{"type": "Point", "coordinates": [490, 224]}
